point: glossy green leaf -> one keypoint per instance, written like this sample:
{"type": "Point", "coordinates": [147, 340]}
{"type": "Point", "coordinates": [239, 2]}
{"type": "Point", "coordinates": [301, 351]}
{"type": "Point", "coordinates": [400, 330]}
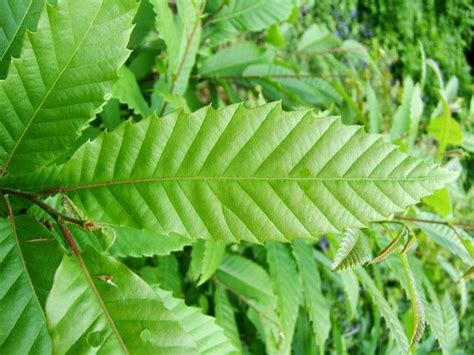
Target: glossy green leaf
{"type": "Point", "coordinates": [127, 91]}
{"type": "Point", "coordinates": [28, 258]}
{"type": "Point", "coordinates": [60, 80]}
{"type": "Point", "coordinates": [239, 174]}
{"type": "Point", "coordinates": [15, 18]}
{"type": "Point", "coordinates": [124, 315]}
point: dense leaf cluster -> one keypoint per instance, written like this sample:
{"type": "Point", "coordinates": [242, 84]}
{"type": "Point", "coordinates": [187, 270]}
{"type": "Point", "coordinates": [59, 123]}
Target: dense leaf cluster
{"type": "Point", "coordinates": [225, 177]}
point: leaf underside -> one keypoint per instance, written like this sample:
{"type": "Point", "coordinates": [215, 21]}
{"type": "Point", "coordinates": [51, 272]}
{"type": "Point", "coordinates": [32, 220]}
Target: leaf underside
{"type": "Point", "coordinates": [240, 174]}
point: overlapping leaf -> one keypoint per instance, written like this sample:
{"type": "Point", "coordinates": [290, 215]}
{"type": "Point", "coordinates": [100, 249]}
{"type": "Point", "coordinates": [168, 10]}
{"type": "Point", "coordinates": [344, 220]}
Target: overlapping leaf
{"type": "Point", "coordinates": [353, 250]}
{"type": "Point", "coordinates": [225, 316]}
{"type": "Point", "coordinates": [28, 258]}
{"type": "Point", "coordinates": [393, 323]}
{"type": "Point", "coordinates": [251, 174]}
{"type": "Point", "coordinates": [246, 15]}
{"type": "Point", "coordinates": [60, 80]}
{"type": "Point", "coordinates": [124, 315]}
{"type": "Point", "coordinates": [287, 289]}
{"type": "Point", "coordinates": [15, 18]}
{"type": "Point", "coordinates": [315, 302]}
{"type": "Point", "coordinates": [209, 337]}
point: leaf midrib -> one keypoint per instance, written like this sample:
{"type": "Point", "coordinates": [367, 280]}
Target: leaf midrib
{"type": "Point", "coordinates": [48, 92]}
{"type": "Point", "coordinates": [231, 179]}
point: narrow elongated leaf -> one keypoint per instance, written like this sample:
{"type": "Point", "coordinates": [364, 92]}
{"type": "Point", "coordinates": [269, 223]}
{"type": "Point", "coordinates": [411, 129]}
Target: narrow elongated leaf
{"type": "Point", "coordinates": [28, 258]}
{"type": "Point", "coordinates": [298, 86]}
{"type": "Point", "coordinates": [206, 257]}
{"type": "Point", "coordinates": [393, 323]}
{"type": "Point", "coordinates": [391, 247]}
{"type": "Point", "coordinates": [209, 337]}
{"type": "Point", "coordinates": [353, 250]}
{"type": "Point", "coordinates": [451, 323]}
{"type": "Point", "coordinates": [317, 38]}
{"type": "Point", "coordinates": [127, 91]}
{"type": "Point", "coordinates": [239, 174]}
{"type": "Point", "coordinates": [248, 278]}
{"type": "Point", "coordinates": [232, 61]}
{"type": "Point", "coordinates": [60, 80]}
{"type": "Point", "coordinates": [251, 283]}
{"type": "Point", "coordinates": [287, 289]}
{"type": "Point", "coordinates": [315, 302]}
{"type": "Point", "coordinates": [125, 312]}
{"type": "Point", "coordinates": [351, 289]}
{"type": "Point", "coordinates": [456, 276]}
{"type": "Point", "coordinates": [225, 316]}
{"type": "Point", "coordinates": [401, 120]}
{"type": "Point", "coordinates": [181, 34]}
{"type": "Point", "coordinates": [166, 275]}
{"type": "Point", "coordinates": [417, 303]}
{"type": "Point", "coordinates": [15, 18]}
{"type": "Point", "coordinates": [446, 237]}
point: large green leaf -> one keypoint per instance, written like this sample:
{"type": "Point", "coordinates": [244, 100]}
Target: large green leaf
{"type": "Point", "coordinates": [125, 314]}
{"type": "Point", "coordinates": [237, 173]}
{"type": "Point", "coordinates": [15, 18]}
{"type": "Point", "coordinates": [28, 258]}
{"type": "Point", "coordinates": [59, 81]}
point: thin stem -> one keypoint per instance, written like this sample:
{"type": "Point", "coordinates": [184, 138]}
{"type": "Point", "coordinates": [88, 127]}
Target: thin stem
{"type": "Point", "coordinates": [43, 205]}
{"type": "Point", "coordinates": [448, 224]}
{"type": "Point", "coordinates": [72, 244]}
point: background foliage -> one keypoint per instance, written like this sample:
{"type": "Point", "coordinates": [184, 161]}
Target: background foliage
{"type": "Point", "coordinates": [144, 283]}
